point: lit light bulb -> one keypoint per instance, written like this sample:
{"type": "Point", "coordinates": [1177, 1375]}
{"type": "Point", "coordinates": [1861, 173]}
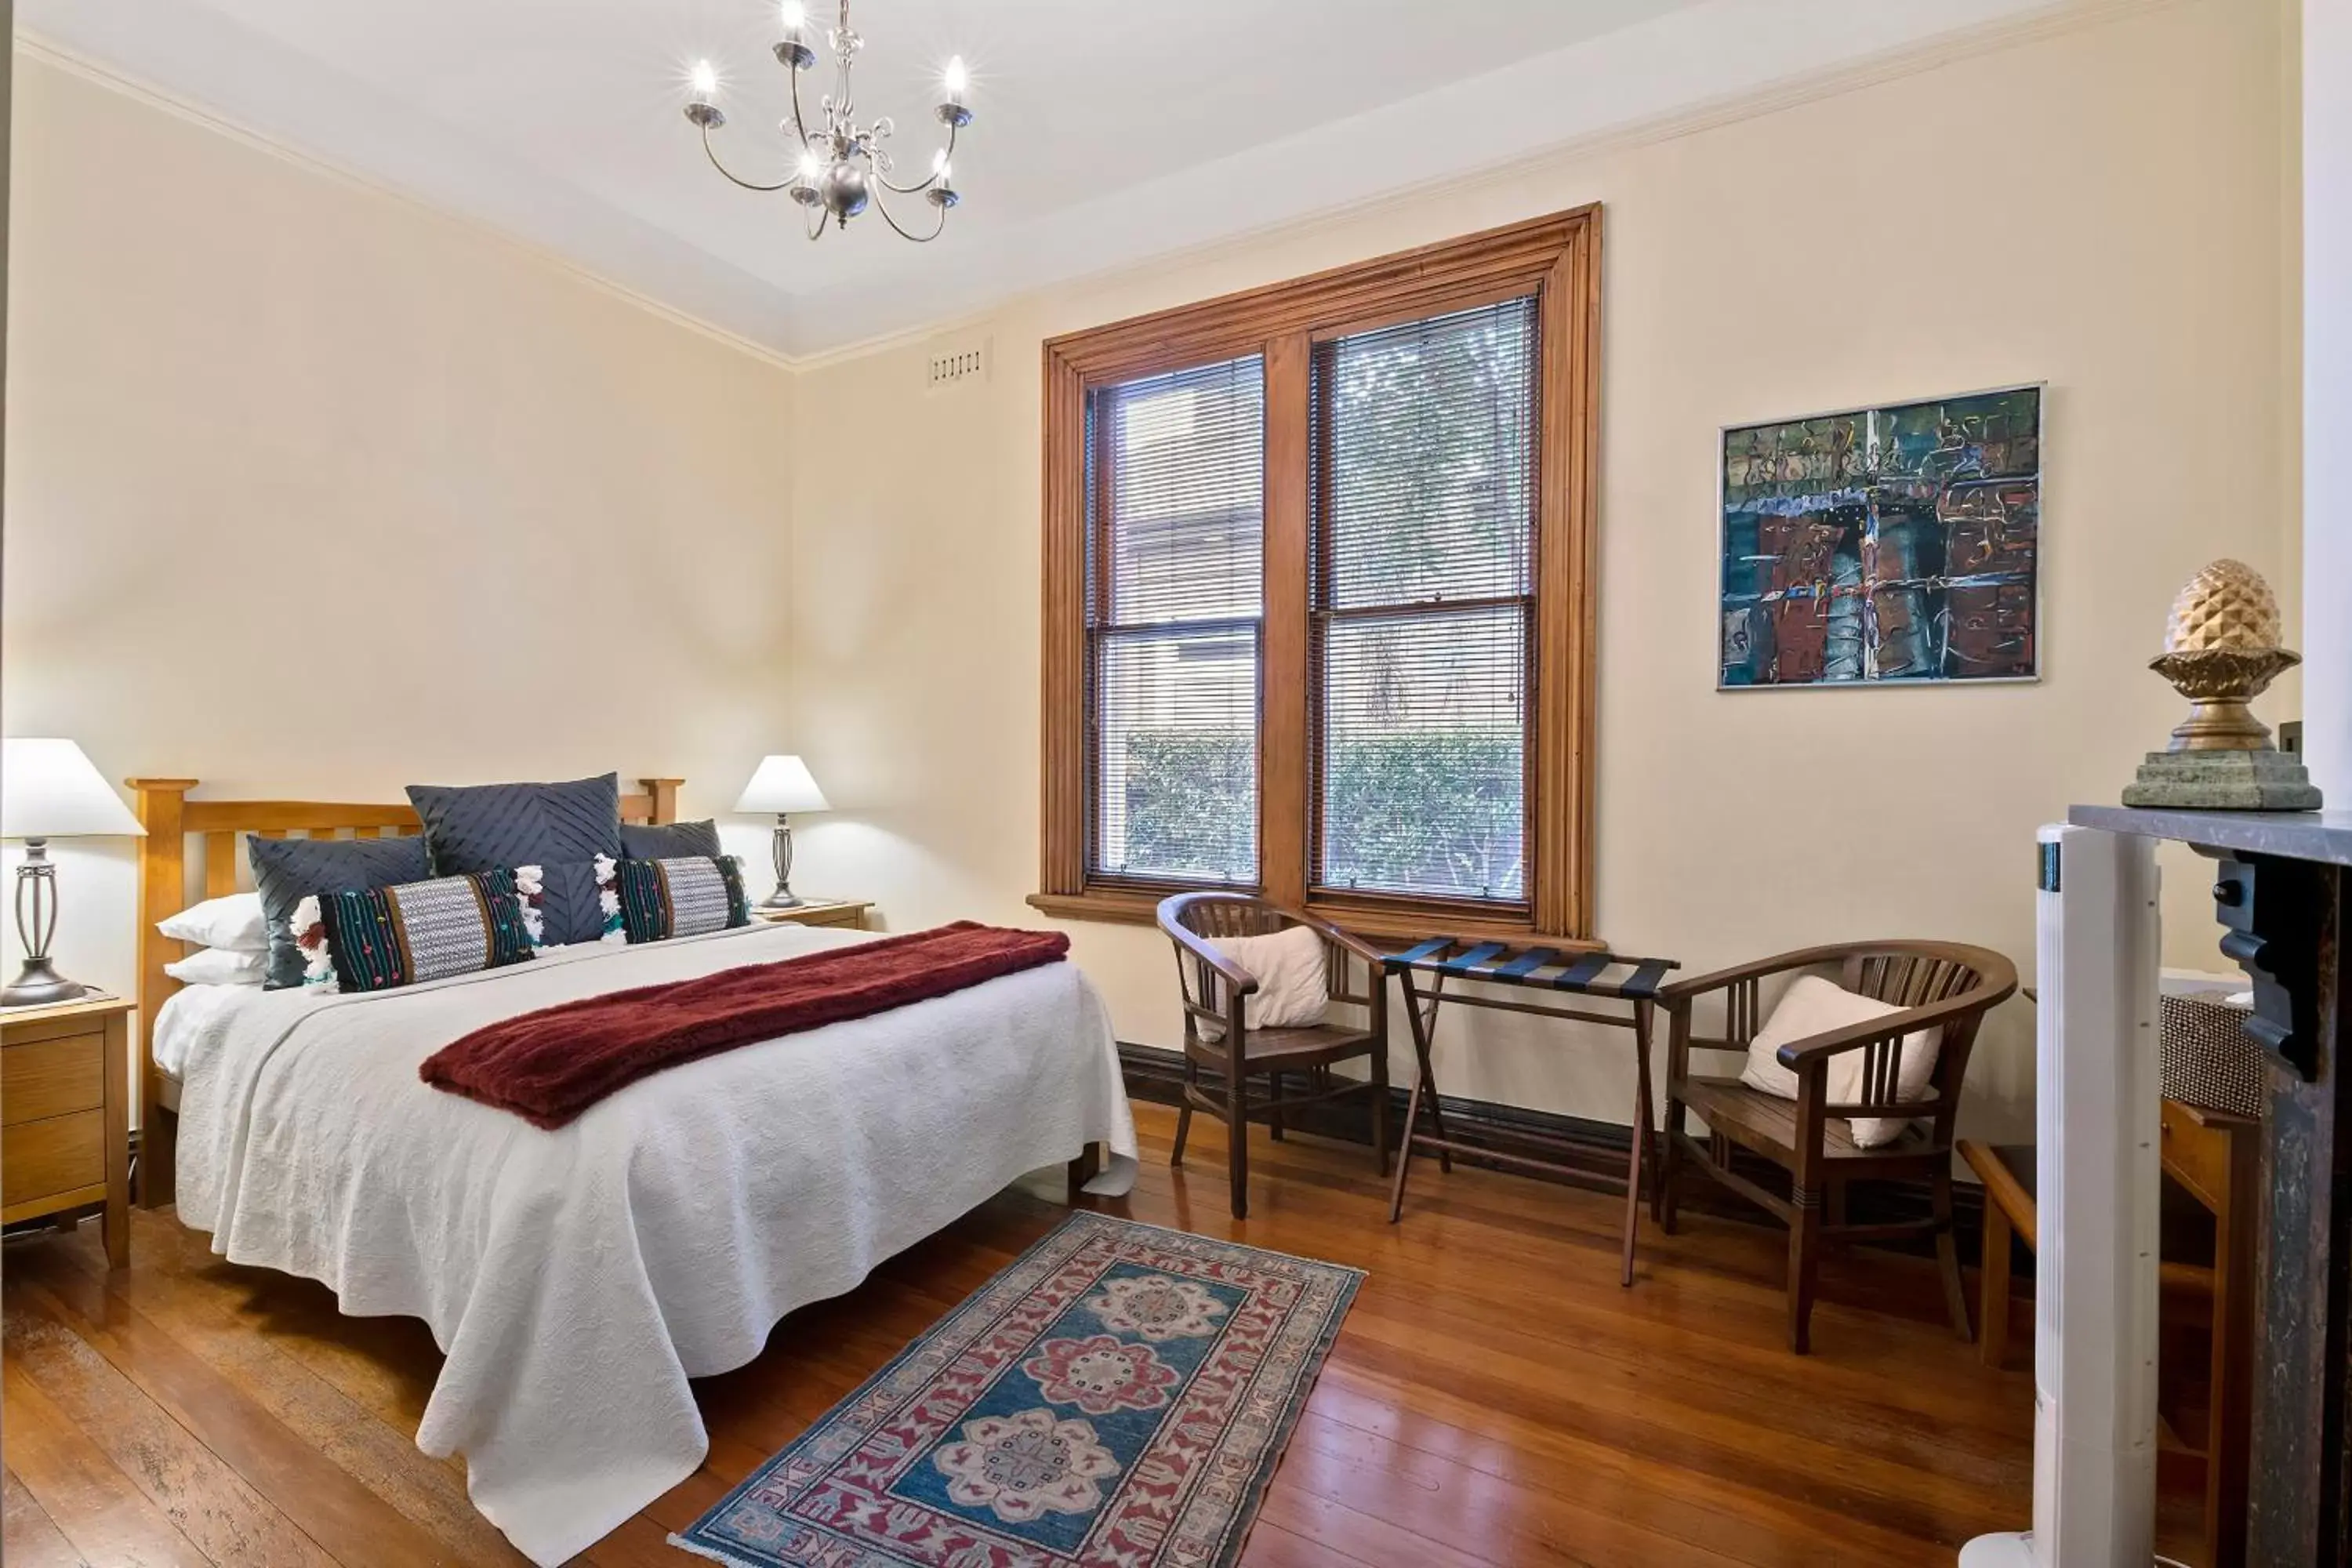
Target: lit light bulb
{"type": "Point", "coordinates": [706, 79]}
{"type": "Point", "coordinates": [811, 163]}
{"type": "Point", "coordinates": [958, 78]}
{"type": "Point", "coordinates": [795, 17]}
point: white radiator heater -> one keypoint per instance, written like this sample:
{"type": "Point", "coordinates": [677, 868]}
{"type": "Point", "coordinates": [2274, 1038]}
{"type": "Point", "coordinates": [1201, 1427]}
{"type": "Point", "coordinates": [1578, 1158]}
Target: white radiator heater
{"type": "Point", "coordinates": [2097, 1092]}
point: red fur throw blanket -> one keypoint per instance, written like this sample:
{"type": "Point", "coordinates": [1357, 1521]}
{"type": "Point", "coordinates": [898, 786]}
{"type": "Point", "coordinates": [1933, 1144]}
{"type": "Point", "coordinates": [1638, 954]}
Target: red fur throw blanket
{"type": "Point", "coordinates": [549, 1066]}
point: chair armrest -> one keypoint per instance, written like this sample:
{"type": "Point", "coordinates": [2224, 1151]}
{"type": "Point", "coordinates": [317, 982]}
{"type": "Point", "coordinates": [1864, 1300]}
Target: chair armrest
{"type": "Point", "coordinates": [1240, 979]}
{"type": "Point", "coordinates": [1676, 991]}
{"type": "Point", "coordinates": [1820, 1047]}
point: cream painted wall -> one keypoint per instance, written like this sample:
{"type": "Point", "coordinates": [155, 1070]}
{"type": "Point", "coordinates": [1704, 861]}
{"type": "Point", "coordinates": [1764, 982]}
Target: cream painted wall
{"type": "Point", "coordinates": [2101, 208]}
{"type": "Point", "coordinates": [2327, 392]}
{"type": "Point", "coordinates": [313, 493]}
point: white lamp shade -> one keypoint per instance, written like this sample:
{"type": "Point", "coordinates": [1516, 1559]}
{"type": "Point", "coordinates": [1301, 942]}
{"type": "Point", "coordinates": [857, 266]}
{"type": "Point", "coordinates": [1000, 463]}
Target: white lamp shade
{"type": "Point", "coordinates": [49, 790]}
{"type": "Point", "coordinates": [783, 785]}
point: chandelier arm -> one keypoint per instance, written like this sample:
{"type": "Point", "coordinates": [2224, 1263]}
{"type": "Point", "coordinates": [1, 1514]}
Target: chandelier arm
{"type": "Point", "coordinates": [712, 153]}
{"type": "Point", "coordinates": [946, 156]}
{"type": "Point", "coordinates": [800, 127]}
{"type": "Point", "coordinates": [884, 208]}
{"type": "Point", "coordinates": [817, 216]}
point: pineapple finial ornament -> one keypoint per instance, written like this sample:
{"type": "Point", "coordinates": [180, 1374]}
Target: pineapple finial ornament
{"type": "Point", "coordinates": [2222, 650]}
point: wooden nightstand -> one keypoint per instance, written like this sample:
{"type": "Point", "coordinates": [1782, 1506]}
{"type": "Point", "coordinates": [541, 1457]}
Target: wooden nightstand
{"type": "Point", "coordinates": [849, 912]}
{"type": "Point", "coordinates": [65, 1115]}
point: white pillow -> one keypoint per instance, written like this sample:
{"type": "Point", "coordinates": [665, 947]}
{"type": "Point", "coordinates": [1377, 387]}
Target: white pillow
{"type": "Point", "coordinates": [1814, 1005]}
{"type": "Point", "coordinates": [220, 966]}
{"type": "Point", "coordinates": [1288, 965]}
{"type": "Point", "coordinates": [234, 922]}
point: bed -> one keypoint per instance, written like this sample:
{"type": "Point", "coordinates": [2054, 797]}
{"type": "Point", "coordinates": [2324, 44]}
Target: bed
{"type": "Point", "coordinates": [577, 1279]}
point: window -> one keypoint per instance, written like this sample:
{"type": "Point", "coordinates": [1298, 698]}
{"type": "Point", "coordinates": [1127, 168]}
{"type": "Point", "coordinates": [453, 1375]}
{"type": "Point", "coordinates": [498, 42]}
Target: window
{"type": "Point", "coordinates": [1421, 455]}
{"type": "Point", "coordinates": [1318, 598]}
{"type": "Point", "coordinates": [1177, 531]}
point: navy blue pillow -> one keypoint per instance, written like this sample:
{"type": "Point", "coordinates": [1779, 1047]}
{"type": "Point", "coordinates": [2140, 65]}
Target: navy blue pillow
{"type": "Point", "coordinates": [670, 840]}
{"type": "Point", "coordinates": [558, 828]}
{"type": "Point", "coordinates": [287, 870]}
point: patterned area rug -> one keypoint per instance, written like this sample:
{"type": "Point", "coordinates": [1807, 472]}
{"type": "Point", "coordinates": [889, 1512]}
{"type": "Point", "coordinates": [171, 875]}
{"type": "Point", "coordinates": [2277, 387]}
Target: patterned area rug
{"type": "Point", "coordinates": [1118, 1396]}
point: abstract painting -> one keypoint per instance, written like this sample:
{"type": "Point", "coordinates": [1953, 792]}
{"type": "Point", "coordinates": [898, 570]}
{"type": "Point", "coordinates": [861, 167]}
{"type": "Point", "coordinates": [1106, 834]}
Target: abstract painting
{"type": "Point", "coordinates": [1898, 543]}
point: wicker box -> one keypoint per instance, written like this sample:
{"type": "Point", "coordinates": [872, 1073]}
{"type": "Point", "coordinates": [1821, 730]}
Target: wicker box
{"type": "Point", "coordinates": [2208, 1059]}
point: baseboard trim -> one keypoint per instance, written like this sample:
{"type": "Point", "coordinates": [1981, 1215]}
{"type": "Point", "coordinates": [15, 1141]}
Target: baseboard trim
{"type": "Point", "coordinates": [1156, 1075]}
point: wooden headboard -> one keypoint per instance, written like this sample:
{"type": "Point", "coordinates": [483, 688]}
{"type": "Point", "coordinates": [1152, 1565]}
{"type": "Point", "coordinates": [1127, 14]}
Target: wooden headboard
{"type": "Point", "coordinates": [173, 822]}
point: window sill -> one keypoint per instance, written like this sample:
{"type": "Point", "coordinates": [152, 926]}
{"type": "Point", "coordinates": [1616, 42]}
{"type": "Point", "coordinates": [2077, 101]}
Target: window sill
{"type": "Point", "coordinates": [1122, 908]}
{"type": "Point", "coordinates": [1126, 907]}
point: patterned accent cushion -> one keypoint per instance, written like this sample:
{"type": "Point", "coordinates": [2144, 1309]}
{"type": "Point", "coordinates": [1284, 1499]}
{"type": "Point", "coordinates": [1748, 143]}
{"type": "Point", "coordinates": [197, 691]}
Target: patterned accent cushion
{"type": "Point", "coordinates": [560, 827]}
{"type": "Point", "coordinates": [287, 870]}
{"type": "Point", "coordinates": [377, 938]}
{"type": "Point", "coordinates": [682, 897]}
{"type": "Point", "coordinates": [668, 841]}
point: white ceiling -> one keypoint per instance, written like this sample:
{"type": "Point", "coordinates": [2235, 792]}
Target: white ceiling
{"type": "Point", "coordinates": [1106, 131]}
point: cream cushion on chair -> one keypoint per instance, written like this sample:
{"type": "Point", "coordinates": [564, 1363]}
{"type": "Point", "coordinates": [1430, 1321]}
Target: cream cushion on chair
{"type": "Point", "coordinates": [1288, 965]}
{"type": "Point", "coordinates": [1814, 1005]}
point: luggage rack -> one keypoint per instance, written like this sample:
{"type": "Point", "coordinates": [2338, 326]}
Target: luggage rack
{"type": "Point", "coordinates": [1605, 976]}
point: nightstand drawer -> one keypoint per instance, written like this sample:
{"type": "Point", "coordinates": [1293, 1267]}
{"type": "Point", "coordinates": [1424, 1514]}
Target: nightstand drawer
{"type": "Point", "coordinates": [52, 1077]}
{"type": "Point", "coordinates": [58, 1155]}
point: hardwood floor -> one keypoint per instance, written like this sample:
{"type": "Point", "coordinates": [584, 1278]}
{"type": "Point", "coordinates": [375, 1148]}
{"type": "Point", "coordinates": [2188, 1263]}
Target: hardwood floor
{"type": "Point", "coordinates": [1494, 1398]}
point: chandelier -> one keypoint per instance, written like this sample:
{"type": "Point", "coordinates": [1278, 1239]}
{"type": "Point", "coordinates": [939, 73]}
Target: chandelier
{"type": "Point", "coordinates": [842, 167]}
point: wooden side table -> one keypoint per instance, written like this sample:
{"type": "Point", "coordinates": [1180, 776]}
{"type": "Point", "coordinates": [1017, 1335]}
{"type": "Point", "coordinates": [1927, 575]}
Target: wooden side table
{"type": "Point", "coordinates": [847, 912]}
{"type": "Point", "coordinates": [65, 1105]}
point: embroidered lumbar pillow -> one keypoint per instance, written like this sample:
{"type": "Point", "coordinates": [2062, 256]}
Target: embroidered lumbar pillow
{"type": "Point", "coordinates": [1813, 1005]}
{"type": "Point", "coordinates": [683, 896]}
{"type": "Point", "coordinates": [378, 937]}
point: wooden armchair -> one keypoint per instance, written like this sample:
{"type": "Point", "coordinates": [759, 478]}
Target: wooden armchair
{"type": "Point", "coordinates": [1935, 983]}
{"type": "Point", "coordinates": [1217, 1039]}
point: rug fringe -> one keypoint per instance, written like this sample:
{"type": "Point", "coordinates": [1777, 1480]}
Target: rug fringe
{"type": "Point", "coordinates": [713, 1552]}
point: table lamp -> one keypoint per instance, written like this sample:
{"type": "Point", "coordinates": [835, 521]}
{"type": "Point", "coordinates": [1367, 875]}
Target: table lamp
{"type": "Point", "coordinates": [49, 790]}
{"type": "Point", "coordinates": [783, 785]}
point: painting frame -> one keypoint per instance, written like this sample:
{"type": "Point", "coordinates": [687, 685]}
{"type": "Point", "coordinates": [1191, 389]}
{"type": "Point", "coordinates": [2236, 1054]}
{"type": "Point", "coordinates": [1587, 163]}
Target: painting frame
{"type": "Point", "coordinates": [2038, 480]}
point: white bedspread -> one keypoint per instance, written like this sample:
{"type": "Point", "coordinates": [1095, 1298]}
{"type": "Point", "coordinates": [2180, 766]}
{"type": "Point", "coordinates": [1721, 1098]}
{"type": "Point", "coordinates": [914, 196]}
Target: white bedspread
{"type": "Point", "coordinates": [577, 1278]}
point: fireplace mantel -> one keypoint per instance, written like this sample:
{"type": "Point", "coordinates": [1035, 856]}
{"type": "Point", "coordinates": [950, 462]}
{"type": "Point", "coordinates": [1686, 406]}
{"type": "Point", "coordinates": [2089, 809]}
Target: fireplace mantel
{"type": "Point", "coordinates": [2283, 892]}
{"type": "Point", "coordinates": [2325, 836]}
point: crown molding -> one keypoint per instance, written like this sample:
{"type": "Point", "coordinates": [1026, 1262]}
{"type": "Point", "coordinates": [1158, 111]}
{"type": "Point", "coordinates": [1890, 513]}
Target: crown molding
{"type": "Point", "coordinates": [49, 52]}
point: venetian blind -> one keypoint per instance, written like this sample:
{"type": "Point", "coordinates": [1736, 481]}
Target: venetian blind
{"type": "Point", "coordinates": [1176, 525]}
{"type": "Point", "coordinates": [1423, 508]}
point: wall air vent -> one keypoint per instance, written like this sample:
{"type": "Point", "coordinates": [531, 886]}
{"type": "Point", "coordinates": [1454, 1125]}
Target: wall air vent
{"type": "Point", "coordinates": [949, 366]}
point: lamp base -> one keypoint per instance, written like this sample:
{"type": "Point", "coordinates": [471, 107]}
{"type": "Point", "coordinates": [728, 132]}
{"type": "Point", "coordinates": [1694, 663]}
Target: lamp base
{"type": "Point", "coordinates": [782, 898]}
{"type": "Point", "coordinates": [38, 984]}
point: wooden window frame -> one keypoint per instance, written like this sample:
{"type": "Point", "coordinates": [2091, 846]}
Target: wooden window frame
{"type": "Point", "coordinates": [1557, 258]}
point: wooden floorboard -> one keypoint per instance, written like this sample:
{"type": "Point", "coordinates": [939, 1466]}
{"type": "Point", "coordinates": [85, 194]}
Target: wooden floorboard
{"type": "Point", "coordinates": [1496, 1399]}
{"type": "Point", "coordinates": [29, 1538]}
{"type": "Point", "coordinates": [107, 1517]}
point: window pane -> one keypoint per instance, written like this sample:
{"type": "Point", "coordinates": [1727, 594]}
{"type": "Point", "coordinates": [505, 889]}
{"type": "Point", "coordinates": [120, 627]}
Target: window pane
{"type": "Point", "coordinates": [1424, 754]}
{"type": "Point", "coordinates": [1429, 466]}
{"type": "Point", "coordinates": [1176, 597]}
{"type": "Point", "coordinates": [1424, 518]}
{"type": "Point", "coordinates": [1177, 755]}
{"type": "Point", "coordinates": [1187, 484]}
